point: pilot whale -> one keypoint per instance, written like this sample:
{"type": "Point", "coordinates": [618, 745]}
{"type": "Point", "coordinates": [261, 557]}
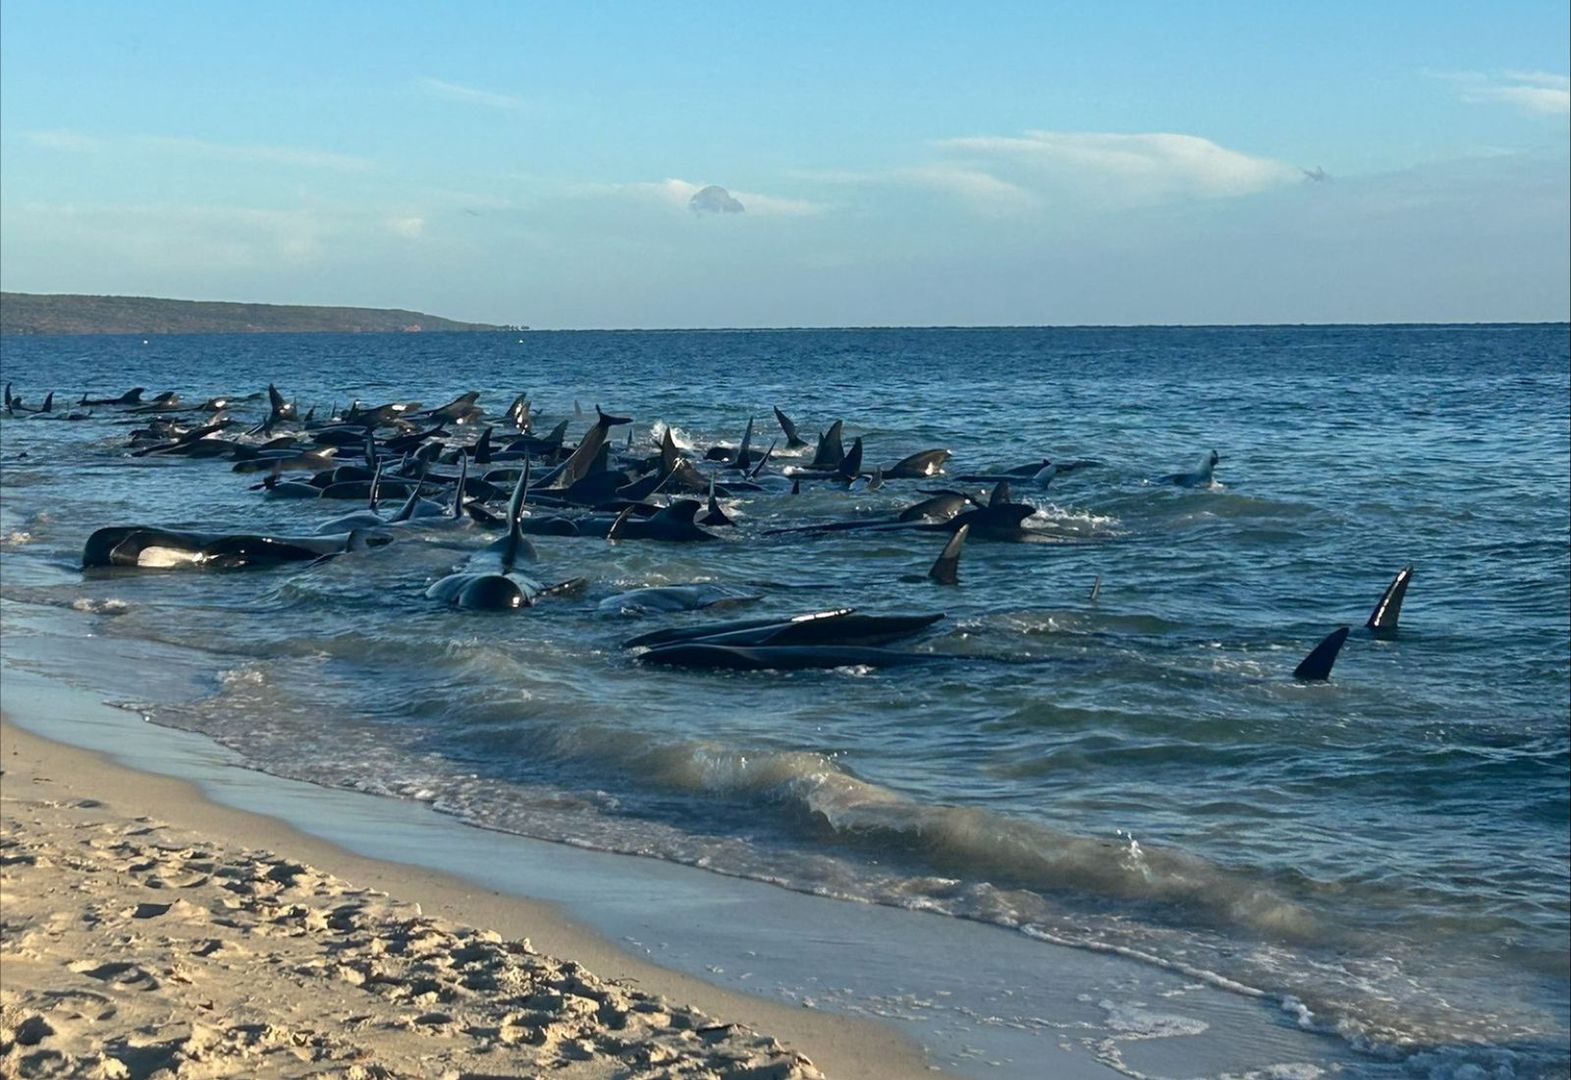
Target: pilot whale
{"type": "Point", "coordinates": [1202, 476]}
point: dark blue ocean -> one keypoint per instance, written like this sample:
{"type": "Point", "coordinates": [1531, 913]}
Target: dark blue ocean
{"type": "Point", "coordinates": [1385, 853]}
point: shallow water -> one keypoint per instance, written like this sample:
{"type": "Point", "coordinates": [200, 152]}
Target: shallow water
{"type": "Point", "coordinates": [1389, 849]}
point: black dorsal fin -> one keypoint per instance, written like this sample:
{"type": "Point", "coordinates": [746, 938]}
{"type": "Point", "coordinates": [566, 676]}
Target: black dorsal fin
{"type": "Point", "coordinates": [1383, 620]}
{"type": "Point", "coordinates": [851, 465]}
{"type": "Point", "coordinates": [483, 447]}
{"type": "Point", "coordinates": [743, 460]}
{"type": "Point", "coordinates": [617, 526]}
{"type": "Point", "coordinates": [681, 511]}
{"type": "Point", "coordinates": [1316, 667]}
{"type": "Point", "coordinates": [763, 460]}
{"type": "Point", "coordinates": [1001, 496]}
{"type": "Point", "coordinates": [376, 484]}
{"type": "Point", "coordinates": [515, 543]}
{"type": "Point", "coordinates": [946, 570]}
{"type": "Point", "coordinates": [463, 478]}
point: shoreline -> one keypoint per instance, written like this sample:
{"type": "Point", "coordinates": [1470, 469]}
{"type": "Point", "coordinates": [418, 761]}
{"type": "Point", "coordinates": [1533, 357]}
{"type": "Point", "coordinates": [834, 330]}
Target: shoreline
{"type": "Point", "coordinates": [65, 788]}
{"type": "Point", "coordinates": [860, 990]}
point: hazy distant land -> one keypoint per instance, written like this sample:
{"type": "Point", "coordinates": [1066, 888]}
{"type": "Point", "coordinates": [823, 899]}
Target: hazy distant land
{"type": "Point", "coordinates": [36, 313]}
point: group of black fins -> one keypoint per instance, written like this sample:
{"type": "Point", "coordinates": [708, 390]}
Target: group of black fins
{"type": "Point", "coordinates": [610, 501]}
{"type": "Point", "coordinates": [845, 638]}
{"type": "Point", "coordinates": [1382, 623]}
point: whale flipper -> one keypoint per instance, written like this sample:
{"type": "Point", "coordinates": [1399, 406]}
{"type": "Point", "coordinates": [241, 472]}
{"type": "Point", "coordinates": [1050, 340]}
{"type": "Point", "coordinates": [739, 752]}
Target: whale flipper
{"type": "Point", "coordinates": [946, 571]}
{"type": "Point", "coordinates": [1316, 667]}
{"type": "Point", "coordinates": [1382, 621]}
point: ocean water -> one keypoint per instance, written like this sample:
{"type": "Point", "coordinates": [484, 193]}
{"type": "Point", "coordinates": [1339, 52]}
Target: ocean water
{"type": "Point", "coordinates": [1385, 854]}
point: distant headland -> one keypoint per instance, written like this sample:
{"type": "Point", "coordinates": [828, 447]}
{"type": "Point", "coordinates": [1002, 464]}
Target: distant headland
{"type": "Point", "coordinates": [38, 313]}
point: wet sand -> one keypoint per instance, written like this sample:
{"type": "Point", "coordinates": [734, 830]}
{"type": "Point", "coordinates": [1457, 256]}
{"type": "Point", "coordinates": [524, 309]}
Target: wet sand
{"type": "Point", "coordinates": [147, 928]}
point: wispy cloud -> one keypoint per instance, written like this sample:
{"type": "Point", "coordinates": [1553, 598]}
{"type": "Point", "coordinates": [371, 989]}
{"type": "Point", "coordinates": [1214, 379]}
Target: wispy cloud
{"type": "Point", "coordinates": [1135, 167]}
{"type": "Point", "coordinates": [1006, 175]}
{"type": "Point", "coordinates": [980, 189]}
{"type": "Point", "coordinates": [181, 146]}
{"type": "Point", "coordinates": [469, 95]}
{"type": "Point", "coordinates": [1534, 91]}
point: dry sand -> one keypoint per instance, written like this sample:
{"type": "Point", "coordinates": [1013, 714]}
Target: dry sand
{"type": "Point", "coordinates": [147, 932]}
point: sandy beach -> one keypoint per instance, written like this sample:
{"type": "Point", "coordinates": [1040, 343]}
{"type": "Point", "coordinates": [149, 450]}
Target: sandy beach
{"type": "Point", "coordinates": [149, 932]}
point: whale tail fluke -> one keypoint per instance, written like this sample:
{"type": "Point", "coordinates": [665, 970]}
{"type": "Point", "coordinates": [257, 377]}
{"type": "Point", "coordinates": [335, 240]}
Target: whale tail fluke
{"type": "Point", "coordinates": [1316, 667]}
{"type": "Point", "coordinates": [1383, 620]}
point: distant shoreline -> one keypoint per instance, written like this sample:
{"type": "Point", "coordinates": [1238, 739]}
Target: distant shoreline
{"type": "Point", "coordinates": [43, 314]}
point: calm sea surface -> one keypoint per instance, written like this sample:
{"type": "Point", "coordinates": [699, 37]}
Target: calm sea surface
{"type": "Point", "coordinates": [1386, 853]}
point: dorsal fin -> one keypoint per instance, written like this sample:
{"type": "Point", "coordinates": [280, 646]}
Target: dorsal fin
{"type": "Point", "coordinates": [515, 516]}
{"type": "Point", "coordinates": [1096, 588]}
{"type": "Point", "coordinates": [742, 458]}
{"type": "Point", "coordinates": [946, 570]}
{"type": "Point", "coordinates": [1316, 667]}
{"type": "Point", "coordinates": [1001, 494]}
{"type": "Point", "coordinates": [557, 434]}
{"type": "Point", "coordinates": [1383, 620]}
{"type": "Point", "coordinates": [792, 439]}
{"type": "Point", "coordinates": [463, 478]}
{"type": "Point", "coordinates": [370, 449]}
{"type": "Point", "coordinates": [829, 454]}
{"type": "Point", "coordinates": [615, 531]}
{"type": "Point", "coordinates": [680, 512]}
{"type": "Point", "coordinates": [851, 465]}
{"type": "Point", "coordinates": [796, 486]}
{"type": "Point", "coordinates": [763, 460]}
{"type": "Point", "coordinates": [407, 511]}
{"type": "Point", "coordinates": [483, 448]}
{"type": "Point", "coordinates": [376, 484]}
{"type": "Point", "coordinates": [669, 458]}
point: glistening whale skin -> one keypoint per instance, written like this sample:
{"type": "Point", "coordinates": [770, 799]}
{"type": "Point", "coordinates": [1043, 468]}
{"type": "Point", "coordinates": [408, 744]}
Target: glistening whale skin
{"type": "Point", "coordinates": [153, 547]}
{"type": "Point", "coordinates": [1383, 620]}
{"type": "Point", "coordinates": [779, 657]}
{"type": "Point", "coordinates": [841, 626]}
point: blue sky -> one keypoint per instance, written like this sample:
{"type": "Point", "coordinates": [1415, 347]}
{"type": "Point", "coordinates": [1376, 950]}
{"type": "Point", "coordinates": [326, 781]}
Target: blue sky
{"type": "Point", "coordinates": [882, 163]}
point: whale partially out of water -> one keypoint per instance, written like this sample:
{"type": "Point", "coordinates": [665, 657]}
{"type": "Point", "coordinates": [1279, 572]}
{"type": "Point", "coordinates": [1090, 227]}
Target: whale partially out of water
{"type": "Point", "coordinates": [839, 626]}
{"type": "Point", "coordinates": [1203, 476]}
{"type": "Point", "coordinates": [780, 657]}
{"type": "Point", "coordinates": [150, 547]}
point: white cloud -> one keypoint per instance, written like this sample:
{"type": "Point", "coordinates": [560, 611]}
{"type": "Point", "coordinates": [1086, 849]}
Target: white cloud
{"type": "Point", "coordinates": [1142, 167]}
{"type": "Point", "coordinates": [469, 95]}
{"type": "Point", "coordinates": [980, 189]}
{"type": "Point", "coordinates": [181, 146]}
{"type": "Point", "coordinates": [1534, 91]}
